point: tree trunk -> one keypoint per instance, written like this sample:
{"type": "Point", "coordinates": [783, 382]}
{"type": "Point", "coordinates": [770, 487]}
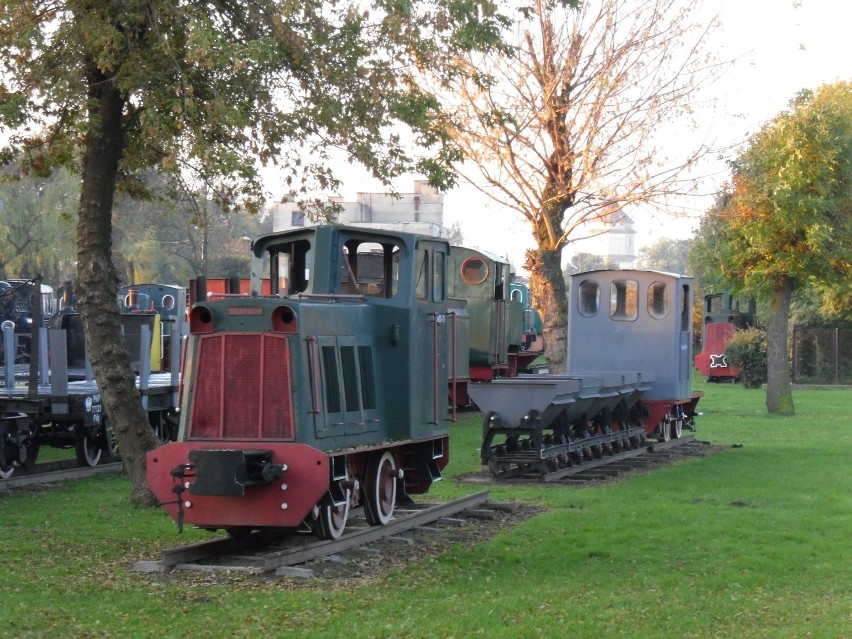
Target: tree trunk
{"type": "Point", "coordinates": [97, 284]}
{"type": "Point", "coordinates": [779, 393]}
{"type": "Point", "coordinates": [548, 293]}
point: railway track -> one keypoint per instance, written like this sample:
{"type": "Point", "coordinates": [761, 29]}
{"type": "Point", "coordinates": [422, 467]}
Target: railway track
{"type": "Point", "coordinates": [605, 467]}
{"type": "Point", "coordinates": [55, 471]}
{"type": "Point", "coordinates": [284, 555]}
{"type": "Point", "coordinates": [647, 458]}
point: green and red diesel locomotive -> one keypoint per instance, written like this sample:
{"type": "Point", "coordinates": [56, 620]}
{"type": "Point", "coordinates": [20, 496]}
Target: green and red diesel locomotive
{"type": "Point", "coordinates": [327, 394]}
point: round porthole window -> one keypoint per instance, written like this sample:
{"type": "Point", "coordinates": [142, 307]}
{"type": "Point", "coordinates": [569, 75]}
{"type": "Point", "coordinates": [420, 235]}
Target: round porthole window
{"type": "Point", "coordinates": [474, 271]}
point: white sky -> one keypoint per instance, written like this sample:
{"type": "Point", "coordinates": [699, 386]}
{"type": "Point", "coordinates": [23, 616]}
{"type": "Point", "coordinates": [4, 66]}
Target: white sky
{"type": "Point", "coordinates": [779, 49]}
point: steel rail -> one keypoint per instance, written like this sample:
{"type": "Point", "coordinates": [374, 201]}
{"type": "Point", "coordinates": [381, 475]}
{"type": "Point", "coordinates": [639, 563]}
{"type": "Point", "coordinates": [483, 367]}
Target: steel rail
{"type": "Point", "coordinates": [183, 557]}
{"type": "Point", "coordinates": [30, 477]}
{"type": "Point", "coordinates": [556, 475]}
{"type": "Point", "coordinates": [606, 461]}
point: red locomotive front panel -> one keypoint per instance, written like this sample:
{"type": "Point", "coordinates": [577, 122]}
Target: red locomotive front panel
{"type": "Point", "coordinates": [713, 362]}
{"type": "Point", "coordinates": [238, 484]}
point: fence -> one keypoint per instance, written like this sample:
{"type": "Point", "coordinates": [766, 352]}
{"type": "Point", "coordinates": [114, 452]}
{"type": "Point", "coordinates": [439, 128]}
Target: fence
{"type": "Point", "coordinates": [822, 355]}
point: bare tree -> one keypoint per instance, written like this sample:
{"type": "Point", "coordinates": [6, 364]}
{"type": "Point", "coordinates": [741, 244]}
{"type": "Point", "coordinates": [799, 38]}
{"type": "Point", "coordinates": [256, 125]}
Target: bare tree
{"type": "Point", "coordinates": [565, 129]}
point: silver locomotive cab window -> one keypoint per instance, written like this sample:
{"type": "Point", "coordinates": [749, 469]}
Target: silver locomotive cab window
{"type": "Point", "coordinates": [588, 298]}
{"type": "Point", "coordinates": [658, 300]}
{"type": "Point", "coordinates": [624, 300]}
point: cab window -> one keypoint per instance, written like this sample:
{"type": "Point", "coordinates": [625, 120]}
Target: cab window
{"type": "Point", "coordinates": [658, 300]}
{"type": "Point", "coordinates": [623, 300]}
{"type": "Point", "coordinates": [439, 280]}
{"type": "Point", "coordinates": [588, 298]}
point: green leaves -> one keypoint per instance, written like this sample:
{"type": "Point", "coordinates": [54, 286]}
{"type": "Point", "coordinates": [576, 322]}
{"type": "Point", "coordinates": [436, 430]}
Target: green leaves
{"type": "Point", "coordinates": [214, 90]}
{"type": "Point", "coordinates": [791, 206]}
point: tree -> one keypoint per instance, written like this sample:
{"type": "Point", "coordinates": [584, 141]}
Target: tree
{"type": "Point", "coordinates": [666, 255]}
{"type": "Point", "coordinates": [789, 221]}
{"type": "Point", "coordinates": [704, 261]}
{"type": "Point", "coordinates": [582, 262]}
{"type": "Point", "coordinates": [456, 237]}
{"type": "Point", "coordinates": [563, 131]}
{"type": "Point", "coordinates": [161, 240]}
{"type": "Point", "coordinates": [36, 219]}
{"type": "Point", "coordinates": [204, 91]}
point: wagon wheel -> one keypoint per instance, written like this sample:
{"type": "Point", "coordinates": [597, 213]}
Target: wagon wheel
{"type": "Point", "coordinates": [380, 487]}
{"type": "Point", "coordinates": [111, 441]}
{"type": "Point", "coordinates": [164, 427]}
{"type": "Point", "coordinates": [89, 444]}
{"type": "Point", "coordinates": [677, 428]}
{"type": "Point", "coordinates": [497, 467]}
{"type": "Point", "coordinates": [239, 532]}
{"type": "Point", "coordinates": [33, 447]}
{"type": "Point", "coordinates": [665, 429]}
{"type": "Point", "coordinates": [7, 463]}
{"type": "Point", "coordinates": [332, 518]}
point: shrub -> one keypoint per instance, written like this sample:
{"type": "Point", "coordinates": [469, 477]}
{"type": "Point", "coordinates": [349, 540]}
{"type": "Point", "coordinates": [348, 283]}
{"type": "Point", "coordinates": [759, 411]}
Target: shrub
{"type": "Point", "coordinates": [746, 351]}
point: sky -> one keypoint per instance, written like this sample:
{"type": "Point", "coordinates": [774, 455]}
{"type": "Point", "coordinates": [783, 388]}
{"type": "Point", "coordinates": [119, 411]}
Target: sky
{"type": "Point", "coordinates": [779, 47]}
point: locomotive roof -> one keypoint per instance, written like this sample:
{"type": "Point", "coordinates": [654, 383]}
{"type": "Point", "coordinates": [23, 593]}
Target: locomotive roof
{"type": "Point", "coordinates": [491, 256]}
{"type": "Point", "coordinates": [259, 244]}
{"type": "Point", "coordinates": [633, 270]}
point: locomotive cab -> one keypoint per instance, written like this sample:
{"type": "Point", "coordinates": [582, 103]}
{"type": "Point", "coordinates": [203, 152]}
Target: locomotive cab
{"type": "Point", "coordinates": [631, 320]}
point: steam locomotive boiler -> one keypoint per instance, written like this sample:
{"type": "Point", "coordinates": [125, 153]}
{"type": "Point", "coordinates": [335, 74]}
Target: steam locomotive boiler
{"type": "Point", "coordinates": [325, 395]}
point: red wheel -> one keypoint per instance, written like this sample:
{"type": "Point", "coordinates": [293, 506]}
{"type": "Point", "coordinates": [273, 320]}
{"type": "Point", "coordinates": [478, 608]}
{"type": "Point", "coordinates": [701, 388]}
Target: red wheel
{"type": "Point", "coordinates": [380, 488]}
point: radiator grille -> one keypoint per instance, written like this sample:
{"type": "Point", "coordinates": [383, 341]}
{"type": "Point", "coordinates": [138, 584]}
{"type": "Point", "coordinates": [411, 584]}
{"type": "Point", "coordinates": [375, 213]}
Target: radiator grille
{"type": "Point", "coordinates": [242, 388]}
{"type": "Point", "coordinates": [368, 384]}
{"type": "Point", "coordinates": [332, 396]}
{"type": "Point", "coordinates": [350, 378]}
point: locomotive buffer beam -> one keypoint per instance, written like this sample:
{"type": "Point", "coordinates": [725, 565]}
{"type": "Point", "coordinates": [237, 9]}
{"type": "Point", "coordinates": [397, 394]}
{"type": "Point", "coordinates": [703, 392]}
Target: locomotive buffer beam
{"type": "Point", "coordinates": [226, 473]}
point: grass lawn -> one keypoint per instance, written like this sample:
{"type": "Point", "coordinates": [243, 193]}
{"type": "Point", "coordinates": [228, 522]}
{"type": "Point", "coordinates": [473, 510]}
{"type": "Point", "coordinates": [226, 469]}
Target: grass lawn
{"type": "Point", "coordinates": [751, 542]}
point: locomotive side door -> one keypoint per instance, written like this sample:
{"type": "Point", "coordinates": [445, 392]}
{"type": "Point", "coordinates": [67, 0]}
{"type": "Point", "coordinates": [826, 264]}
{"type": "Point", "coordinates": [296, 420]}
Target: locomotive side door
{"type": "Point", "coordinates": [685, 340]}
{"type": "Point", "coordinates": [431, 347]}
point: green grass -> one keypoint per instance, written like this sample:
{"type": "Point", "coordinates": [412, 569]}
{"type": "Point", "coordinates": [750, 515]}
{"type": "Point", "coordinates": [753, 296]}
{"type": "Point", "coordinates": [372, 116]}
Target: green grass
{"type": "Point", "coordinates": [750, 542]}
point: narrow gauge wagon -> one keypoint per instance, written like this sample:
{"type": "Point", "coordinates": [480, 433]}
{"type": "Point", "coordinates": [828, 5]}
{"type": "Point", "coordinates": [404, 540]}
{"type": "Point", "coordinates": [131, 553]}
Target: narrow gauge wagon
{"type": "Point", "coordinates": [18, 306]}
{"type": "Point", "coordinates": [326, 395]}
{"type": "Point", "coordinates": [160, 307]}
{"type": "Point", "coordinates": [628, 378]}
{"type": "Point", "coordinates": [201, 288]}
{"type": "Point", "coordinates": [57, 410]}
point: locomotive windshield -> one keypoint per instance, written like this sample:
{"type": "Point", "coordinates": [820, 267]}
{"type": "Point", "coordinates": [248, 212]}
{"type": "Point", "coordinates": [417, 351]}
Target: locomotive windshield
{"type": "Point", "coordinates": [367, 268]}
{"type": "Point", "coordinates": [290, 267]}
